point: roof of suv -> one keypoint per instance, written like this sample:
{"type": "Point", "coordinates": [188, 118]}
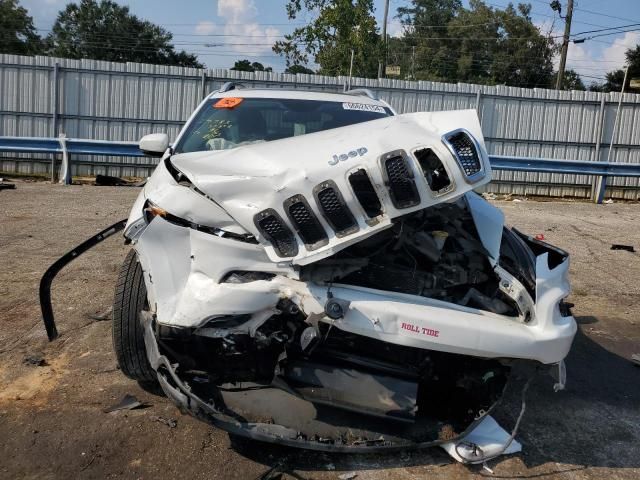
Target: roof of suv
{"type": "Point", "coordinates": [296, 95]}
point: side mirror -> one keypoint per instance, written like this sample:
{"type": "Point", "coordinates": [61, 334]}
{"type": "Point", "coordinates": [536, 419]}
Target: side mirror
{"type": "Point", "coordinates": [154, 144]}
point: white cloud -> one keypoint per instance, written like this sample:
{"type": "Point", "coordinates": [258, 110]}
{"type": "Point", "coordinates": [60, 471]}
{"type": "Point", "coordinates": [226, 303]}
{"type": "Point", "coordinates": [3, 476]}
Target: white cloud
{"type": "Point", "coordinates": [237, 10]}
{"type": "Point", "coordinates": [240, 27]}
{"type": "Point", "coordinates": [205, 28]}
{"type": "Point", "coordinates": [616, 52]}
{"type": "Point", "coordinates": [594, 66]}
{"type": "Point", "coordinates": [395, 29]}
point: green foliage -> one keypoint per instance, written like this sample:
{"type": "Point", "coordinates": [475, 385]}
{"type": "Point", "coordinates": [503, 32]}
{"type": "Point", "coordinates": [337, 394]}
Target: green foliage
{"type": "Point", "coordinates": [339, 27]}
{"type": "Point", "coordinates": [107, 31]}
{"type": "Point", "coordinates": [18, 35]}
{"type": "Point", "coordinates": [247, 66]}
{"type": "Point", "coordinates": [478, 44]}
{"type": "Point", "coordinates": [295, 69]}
{"type": "Point", "coordinates": [571, 81]}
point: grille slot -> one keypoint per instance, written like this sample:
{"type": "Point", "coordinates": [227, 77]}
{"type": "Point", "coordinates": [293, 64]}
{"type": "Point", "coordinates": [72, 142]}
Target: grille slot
{"type": "Point", "coordinates": [334, 209]}
{"type": "Point", "coordinates": [365, 193]}
{"type": "Point", "coordinates": [276, 232]}
{"type": "Point", "coordinates": [399, 177]}
{"type": "Point", "coordinates": [434, 172]}
{"type": "Point", "coordinates": [464, 149]}
{"type": "Point", "coordinates": [305, 222]}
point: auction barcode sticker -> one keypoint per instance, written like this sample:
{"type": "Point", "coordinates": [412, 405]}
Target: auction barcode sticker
{"type": "Point", "coordinates": [363, 107]}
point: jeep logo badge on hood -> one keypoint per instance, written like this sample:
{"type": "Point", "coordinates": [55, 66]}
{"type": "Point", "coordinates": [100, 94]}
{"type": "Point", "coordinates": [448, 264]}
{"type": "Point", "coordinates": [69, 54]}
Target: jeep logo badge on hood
{"type": "Point", "coordinates": [345, 156]}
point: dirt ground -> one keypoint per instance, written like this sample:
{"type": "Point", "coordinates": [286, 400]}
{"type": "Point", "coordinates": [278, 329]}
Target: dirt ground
{"type": "Point", "coordinates": [52, 423]}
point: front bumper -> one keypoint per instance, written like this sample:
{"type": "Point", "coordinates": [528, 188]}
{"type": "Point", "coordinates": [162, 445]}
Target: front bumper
{"type": "Point", "coordinates": [186, 289]}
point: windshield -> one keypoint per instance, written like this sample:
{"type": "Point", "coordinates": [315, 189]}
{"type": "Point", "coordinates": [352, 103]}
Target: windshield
{"type": "Point", "coordinates": [231, 122]}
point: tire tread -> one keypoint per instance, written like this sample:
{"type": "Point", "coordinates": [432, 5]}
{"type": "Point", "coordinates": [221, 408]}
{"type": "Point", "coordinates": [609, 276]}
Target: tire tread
{"type": "Point", "coordinates": [130, 299]}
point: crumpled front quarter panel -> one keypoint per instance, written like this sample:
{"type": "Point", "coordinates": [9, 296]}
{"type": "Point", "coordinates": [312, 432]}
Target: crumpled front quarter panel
{"type": "Point", "coordinates": [250, 179]}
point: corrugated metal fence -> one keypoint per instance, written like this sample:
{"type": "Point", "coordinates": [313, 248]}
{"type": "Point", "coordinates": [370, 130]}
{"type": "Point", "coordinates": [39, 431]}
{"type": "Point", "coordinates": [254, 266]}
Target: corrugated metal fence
{"type": "Point", "coordinates": [43, 96]}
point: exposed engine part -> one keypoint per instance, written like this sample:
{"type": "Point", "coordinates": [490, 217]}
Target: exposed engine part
{"type": "Point", "coordinates": [435, 253]}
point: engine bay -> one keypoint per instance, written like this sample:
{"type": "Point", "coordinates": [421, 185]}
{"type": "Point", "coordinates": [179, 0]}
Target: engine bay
{"type": "Point", "coordinates": [434, 253]}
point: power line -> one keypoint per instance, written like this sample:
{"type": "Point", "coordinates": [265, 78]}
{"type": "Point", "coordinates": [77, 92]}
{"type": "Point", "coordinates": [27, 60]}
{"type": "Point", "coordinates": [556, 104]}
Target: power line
{"type": "Point", "coordinates": [605, 15]}
{"type": "Point", "coordinates": [605, 29]}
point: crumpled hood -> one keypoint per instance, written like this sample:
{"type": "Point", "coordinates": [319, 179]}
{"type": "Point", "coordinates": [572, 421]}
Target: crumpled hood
{"type": "Point", "coordinates": [267, 177]}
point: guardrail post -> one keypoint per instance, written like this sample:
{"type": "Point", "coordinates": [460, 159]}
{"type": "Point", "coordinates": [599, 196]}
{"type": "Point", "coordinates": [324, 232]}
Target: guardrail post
{"type": "Point", "coordinates": [599, 183]}
{"type": "Point", "coordinates": [54, 126]}
{"type": "Point", "coordinates": [65, 168]}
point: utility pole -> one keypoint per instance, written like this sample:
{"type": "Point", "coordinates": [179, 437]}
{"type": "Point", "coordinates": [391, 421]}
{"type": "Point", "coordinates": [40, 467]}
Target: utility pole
{"type": "Point", "coordinates": [351, 68]}
{"type": "Point", "coordinates": [565, 45]}
{"type": "Point", "coordinates": [384, 38]}
{"type": "Point", "coordinates": [413, 62]}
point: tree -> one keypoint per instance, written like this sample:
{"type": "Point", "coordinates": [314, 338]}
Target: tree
{"type": "Point", "coordinates": [424, 52]}
{"type": "Point", "coordinates": [18, 35]}
{"type": "Point", "coordinates": [339, 27]}
{"type": "Point", "coordinates": [444, 41]}
{"type": "Point", "coordinates": [572, 81]}
{"type": "Point", "coordinates": [107, 31]}
{"type": "Point", "coordinates": [247, 66]}
{"type": "Point", "coordinates": [615, 78]}
{"type": "Point", "coordinates": [295, 69]}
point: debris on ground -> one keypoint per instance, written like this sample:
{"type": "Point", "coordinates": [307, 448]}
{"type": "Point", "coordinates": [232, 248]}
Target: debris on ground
{"type": "Point", "coordinates": [169, 422]}
{"type": "Point", "coordinates": [128, 402]}
{"type": "Point", "coordinates": [99, 317]}
{"type": "Point", "coordinates": [628, 248]}
{"type": "Point", "coordinates": [635, 358]}
{"type": "Point", "coordinates": [5, 185]}
{"type": "Point", "coordinates": [109, 181]}
{"type": "Point", "coordinates": [274, 473]}
{"type": "Point", "coordinates": [517, 200]}
{"type": "Point", "coordinates": [35, 360]}
{"type": "Point", "coordinates": [487, 437]}
{"type": "Point", "coordinates": [489, 196]}
{"type": "Point", "coordinates": [539, 236]}
{"type": "Point", "coordinates": [348, 476]}
{"type": "Point", "coordinates": [609, 200]}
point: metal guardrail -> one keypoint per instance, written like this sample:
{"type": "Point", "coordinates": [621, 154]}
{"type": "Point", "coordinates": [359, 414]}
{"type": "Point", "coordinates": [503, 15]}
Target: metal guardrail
{"type": "Point", "coordinates": [70, 145]}
{"type": "Point", "coordinates": [73, 146]}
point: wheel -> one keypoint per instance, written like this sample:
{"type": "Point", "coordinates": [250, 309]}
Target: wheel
{"type": "Point", "coordinates": [128, 340]}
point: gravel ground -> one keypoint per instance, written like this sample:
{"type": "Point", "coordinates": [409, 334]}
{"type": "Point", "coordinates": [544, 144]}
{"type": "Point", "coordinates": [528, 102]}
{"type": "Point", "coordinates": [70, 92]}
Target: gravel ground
{"type": "Point", "coordinates": [51, 419]}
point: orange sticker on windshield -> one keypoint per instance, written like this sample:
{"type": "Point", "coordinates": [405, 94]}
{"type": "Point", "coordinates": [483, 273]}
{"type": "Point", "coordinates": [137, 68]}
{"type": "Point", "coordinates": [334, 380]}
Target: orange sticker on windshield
{"type": "Point", "coordinates": [228, 102]}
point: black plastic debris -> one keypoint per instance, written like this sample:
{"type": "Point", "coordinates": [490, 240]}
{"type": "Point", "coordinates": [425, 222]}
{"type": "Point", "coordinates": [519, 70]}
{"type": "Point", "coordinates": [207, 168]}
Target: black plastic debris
{"type": "Point", "coordinates": [628, 248]}
{"type": "Point", "coordinates": [35, 360]}
{"type": "Point", "coordinates": [274, 473]}
{"type": "Point", "coordinates": [128, 402]}
{"type": "Point", "coordinates": [169, 422]}
{"type": "Point", "coordinates": [109, 181]}
{"type": "Point", "coordinates": [6, 186]}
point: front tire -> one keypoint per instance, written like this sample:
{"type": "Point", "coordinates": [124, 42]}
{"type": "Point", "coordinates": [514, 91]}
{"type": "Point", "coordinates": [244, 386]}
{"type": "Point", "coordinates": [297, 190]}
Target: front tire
{"type": "Point", "coordinates": [127, 331]}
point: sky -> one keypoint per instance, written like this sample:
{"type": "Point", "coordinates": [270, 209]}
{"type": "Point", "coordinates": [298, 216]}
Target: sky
{"type": "Point", "coordinates": [222, 31]}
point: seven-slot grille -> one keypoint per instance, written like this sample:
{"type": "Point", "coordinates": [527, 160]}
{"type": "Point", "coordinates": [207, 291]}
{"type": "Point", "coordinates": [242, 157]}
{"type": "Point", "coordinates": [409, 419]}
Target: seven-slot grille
{"type": "Point", "coordinates": [277, 233]}
{"type": "Point", "coordinates": [305, 222]}
{"type": "Point", "coordinates": [399, 177]}
{"type": "Point", "coordinates": [334, 209]}
{"type": "Point", "coordinates": [465, 152]}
